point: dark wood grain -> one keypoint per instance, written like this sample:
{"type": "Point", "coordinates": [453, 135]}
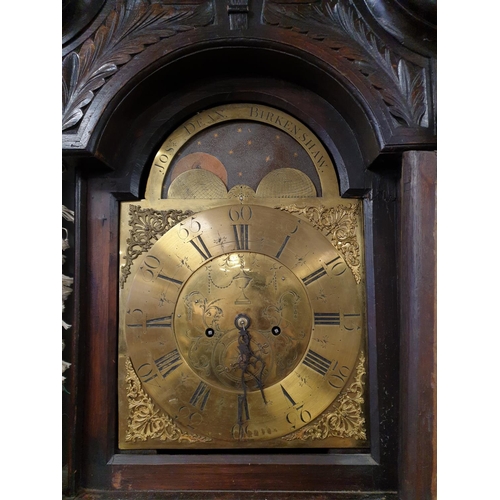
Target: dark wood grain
{"type": "Point", "coordinates": [235, 495]}
{"type": "Point", "coordinates": [76, 374]}
{"type": "Point", "coordinates": [327, 78]}
{"type": "Point", "coordinates": [393, 86]}
{"type": "Point", "coordinates": [418, 326]}
{"type": "Point", "coordinates": [382, 313]}
{"type": "Point", "coordinates": [100, 351]}
{"type": "Point", "coordinates": [139, 124]}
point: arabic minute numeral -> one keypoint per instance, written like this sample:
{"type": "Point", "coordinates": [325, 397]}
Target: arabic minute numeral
{"type": "Point", "coordinates": [240, 214]}
{"type": "Point", "coordinates": [338, 376]}
{"type": "Point", "coordinates": [298, 414]}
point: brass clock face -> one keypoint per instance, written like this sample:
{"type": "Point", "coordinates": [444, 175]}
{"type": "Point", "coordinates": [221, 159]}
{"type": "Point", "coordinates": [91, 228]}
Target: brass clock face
{"type": "Point", "coordinates": [242, 306]}
{"type": "Point", "coordinates": [291, 289]}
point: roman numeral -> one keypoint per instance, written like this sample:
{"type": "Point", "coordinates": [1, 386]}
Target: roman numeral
{"type": "Point", "coordinates": [200, 396]}
{"type": "Point", "coordinates": [241, 236]}
{"type": "Point", "coordinates": [243, 413]}
{"type": "Point", "coordinates": [287, 396]}
{"type": "Point", "coordinates": [168, 363]}
{"type": "Point", "coordinates": [200, 247]}
{"type": "Point", "coordinates": [314, 276]}
{"type": "Point", "coordinates": [282, 247]}
{"type": "Point", "coordinates": [318, 273]}
{"type": "Point", "coordinates": [163, 322]}
{"type": "Point", "coordinates": [316, 362]}
{"type": "Point", "coordinates": [327, 319]}
{"type": "Point", "coordinates": [172, 280]}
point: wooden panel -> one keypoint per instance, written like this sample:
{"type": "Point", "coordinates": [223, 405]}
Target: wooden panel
{"type": "Point", "coordinates": [236, 495]}
{"type": "Point", "coordinates": [101, 270]}
{"type": "Point", "coordinates": [418, 326]}
{"type": "Point", "coordinates": [74, 383]}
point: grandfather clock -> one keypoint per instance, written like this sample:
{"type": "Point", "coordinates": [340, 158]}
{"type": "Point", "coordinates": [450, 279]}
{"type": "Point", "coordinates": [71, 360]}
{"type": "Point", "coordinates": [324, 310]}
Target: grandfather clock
{"type": "Point", "coordinates": [254, 195]}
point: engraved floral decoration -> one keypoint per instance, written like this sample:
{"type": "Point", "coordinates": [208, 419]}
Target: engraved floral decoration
{"type": "Point", "coordinates": [338, 25]}
{"type": "Point", "coordinates": [129, 28]}
{"type": "Point", "coordinates": [344, 418]}
{"type": "Point", "coordinates": [146, 227]}
{"type": "Point", "coordinates": [339, 224]}
{"type": "Point", "coordinates": [146, 421]}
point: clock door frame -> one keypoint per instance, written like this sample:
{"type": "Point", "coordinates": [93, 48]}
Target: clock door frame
{"type": "Point", "coordinates": [374, 162]}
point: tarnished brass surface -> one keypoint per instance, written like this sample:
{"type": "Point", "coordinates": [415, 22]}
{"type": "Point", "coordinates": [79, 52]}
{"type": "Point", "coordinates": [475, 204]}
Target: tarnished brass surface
{"type": "Point", "coordinates": [248, 283]}
{"type": "Point", "coordinates": [339, 225]}
{"type": "Point", "coordinates": [222, 252]}
{"type": "Point", "coordinates": [147, 226]}
{"type": "Point", "coordinates": [279, 272]}
{"type": "Point", "coordinates": [146, 421]}
{"type": "Point", "coordinates": [197, 183]}
{"type": "Point", "coordinates": [344, 418]}
{"type": "Point", "coordinates": [286, 183]}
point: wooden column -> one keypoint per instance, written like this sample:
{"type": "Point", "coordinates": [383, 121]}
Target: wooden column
{"type": "Point", "coordinates": [417, 453]}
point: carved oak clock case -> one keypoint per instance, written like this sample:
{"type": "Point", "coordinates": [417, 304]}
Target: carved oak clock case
{"type": "Point", "coordinates": [255, 205]}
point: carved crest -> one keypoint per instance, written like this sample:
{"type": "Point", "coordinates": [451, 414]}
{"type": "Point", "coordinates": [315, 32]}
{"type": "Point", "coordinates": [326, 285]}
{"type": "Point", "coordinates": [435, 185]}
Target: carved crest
{"type": "Point", "coordinates": [127, 31]}
{"type": "Point", "coordinates": [338, 25]}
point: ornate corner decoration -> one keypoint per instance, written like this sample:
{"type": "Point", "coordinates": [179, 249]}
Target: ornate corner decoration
{"type": "Point", "coordinates": [338, 25]}
{"type": "Point", "coordinates": [344, 418]}
{"type": "Point", "coordinates": [146, 421]}
{"type": "Point", "coordinates": [238, 11]}
{"type": "Point", "coordinates": [339, 224]}
{"type": "Point", "coordinates": [147, 226]}
{"type": "Point", "coordinates": [128, 30]}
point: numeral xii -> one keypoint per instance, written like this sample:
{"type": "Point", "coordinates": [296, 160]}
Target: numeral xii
{"type": "Point", "coordinates": [241, 236]}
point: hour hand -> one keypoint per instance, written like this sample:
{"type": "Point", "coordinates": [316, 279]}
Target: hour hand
{"type": "Point", "coordinates": [248, 361]}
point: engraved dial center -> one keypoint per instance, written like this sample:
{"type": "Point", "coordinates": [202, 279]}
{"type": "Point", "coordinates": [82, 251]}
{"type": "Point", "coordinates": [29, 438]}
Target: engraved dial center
{"type": "Point", "coordinates": [242, 322]}
{"type": "Point", "coordinates": [237, 292]}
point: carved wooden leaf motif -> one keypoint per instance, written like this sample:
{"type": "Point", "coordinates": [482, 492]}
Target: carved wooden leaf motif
{"type": "Point", "coordinates": [127, 31]}
{"type": "Point", "coordinates": [337, 24]}
{"type": "Point", "coordinates": [408, 105]}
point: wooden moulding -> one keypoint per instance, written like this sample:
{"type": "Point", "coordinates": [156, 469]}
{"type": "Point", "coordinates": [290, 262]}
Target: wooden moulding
{"type": "Point", "coordinates": [105, 471]}
{"type": "Point", "coordinates": [418, 327]}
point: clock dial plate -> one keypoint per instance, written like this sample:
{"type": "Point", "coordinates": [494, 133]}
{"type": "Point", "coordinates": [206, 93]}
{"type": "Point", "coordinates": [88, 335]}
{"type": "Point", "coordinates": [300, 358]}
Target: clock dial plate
{"type": "Point", "coordinates": [303, 339]}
